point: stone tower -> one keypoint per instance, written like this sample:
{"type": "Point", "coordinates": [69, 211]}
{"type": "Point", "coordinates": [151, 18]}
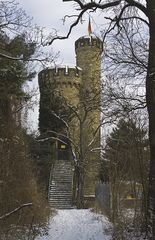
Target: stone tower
{"type": "Point", "coordinates": [76, 89]}
{"type": "Point", "coordinates": [88, 57]}
{"type": "Point", "coordinates": [57, 85]}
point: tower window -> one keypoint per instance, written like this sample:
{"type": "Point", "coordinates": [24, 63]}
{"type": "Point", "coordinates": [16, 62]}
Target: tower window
{"type": "Point", "coordinates": [63, 146]}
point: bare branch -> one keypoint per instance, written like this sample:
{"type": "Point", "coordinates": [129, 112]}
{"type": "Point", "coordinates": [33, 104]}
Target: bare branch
{"type": "Point", "coordinates": [70, 30]}
{"type": "Point", "coordinates": [84, 8]}
{"type": "Point", "coordinates": [93, 6]}
{"type": "Point", "coordinates": [15, 210]}
{"type": "Point", "coordinates": [22, 58]}
{"type": "Point", "coordinates": [127, 18]}
{"type": "Point", "coordinates": [60, 118]}
{"type": "Point", "coordinates": [49, 138]}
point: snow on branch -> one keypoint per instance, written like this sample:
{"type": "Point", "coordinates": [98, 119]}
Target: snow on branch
{"type": "Point", "coordinates": [53, 138]}
{"type": "Point", "coordinates": [60, 118]}
{"type": "Point", "coordinates": [24, 59]}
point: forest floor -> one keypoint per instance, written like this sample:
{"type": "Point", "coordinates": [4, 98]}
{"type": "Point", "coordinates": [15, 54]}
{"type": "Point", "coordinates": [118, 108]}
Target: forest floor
{"type": "Point", "coordinates": [78, 225]}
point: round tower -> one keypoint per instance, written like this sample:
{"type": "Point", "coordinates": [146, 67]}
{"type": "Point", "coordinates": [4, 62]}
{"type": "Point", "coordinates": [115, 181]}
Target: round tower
{"type": "Point", "coordinates": [61, 78]}
{"type": "Point", "coordinates": [88, 57]}
{"type": "Point", "coordinates": [59, 89]}
{"type": "Point", "coordinates": [57, 85]}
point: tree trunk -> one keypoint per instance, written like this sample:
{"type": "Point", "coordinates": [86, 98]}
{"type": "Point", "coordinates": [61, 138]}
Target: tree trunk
{"type": "Point", "coordinates": [80, 193]}
{"type": "Point", "coordinates": [80, 178]}
{"type": "Point", "coordinates": [150, 98]}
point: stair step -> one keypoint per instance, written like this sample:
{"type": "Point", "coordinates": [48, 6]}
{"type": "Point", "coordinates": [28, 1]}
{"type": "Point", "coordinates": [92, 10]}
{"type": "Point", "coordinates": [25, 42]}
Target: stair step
{"type": "Point", "coordinates": [66, 198]}
{"type": "Point", "coordinates": [60, 193]}
{"type": "Point", "coordinates": [60, 180]}
{"type": "Point", "coordinates": [62, 176]}
{"type": "Point", "coordinates": [60, 197]}
{"type": "Point", "coordinates": [67, 183]}
{"type": "Point", "coordinates": [61, 185]}
{"type": "Point", "coordinates": [60, 203]}
{"type": "Point", "coordinates": [60, 188]}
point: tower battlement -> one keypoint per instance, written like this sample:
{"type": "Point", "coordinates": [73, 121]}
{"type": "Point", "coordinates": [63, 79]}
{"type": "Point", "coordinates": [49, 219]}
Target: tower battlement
{"type": "Point", "coordinates": [62, 76]}
{"type": "Point", "coordinates": [88, 41]}
{"type": "Point", "coordinates": [62, 71]}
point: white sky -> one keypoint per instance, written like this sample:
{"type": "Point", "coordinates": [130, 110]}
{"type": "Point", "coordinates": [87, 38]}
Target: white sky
{"type": "Point", "coordinates": [49, 14]}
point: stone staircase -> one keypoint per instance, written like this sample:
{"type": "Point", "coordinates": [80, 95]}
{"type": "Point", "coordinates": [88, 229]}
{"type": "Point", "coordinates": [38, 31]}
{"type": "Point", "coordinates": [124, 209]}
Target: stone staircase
{"type": "Point", "coordinates": [60, 185]}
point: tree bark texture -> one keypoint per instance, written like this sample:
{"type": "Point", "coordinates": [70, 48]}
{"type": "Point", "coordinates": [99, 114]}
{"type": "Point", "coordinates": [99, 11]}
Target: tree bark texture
{"type": "Point", "coordinates": [150, 98]}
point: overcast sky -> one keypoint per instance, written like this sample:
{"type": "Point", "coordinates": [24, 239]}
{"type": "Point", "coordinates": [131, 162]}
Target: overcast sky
{"type": "Point", "coordinates": [49, 14]}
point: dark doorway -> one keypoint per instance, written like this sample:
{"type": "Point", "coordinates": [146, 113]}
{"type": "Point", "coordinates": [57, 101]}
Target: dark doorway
{"type": "Point", "coordinates": [63, 149]}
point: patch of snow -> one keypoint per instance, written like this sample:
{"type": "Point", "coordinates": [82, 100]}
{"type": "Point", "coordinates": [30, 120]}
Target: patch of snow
{"type": "Point", "coordinates": [77, 224]}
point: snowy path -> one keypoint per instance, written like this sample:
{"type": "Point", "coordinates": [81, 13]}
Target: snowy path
{"type": "Point", "coordinates": [77, 225]}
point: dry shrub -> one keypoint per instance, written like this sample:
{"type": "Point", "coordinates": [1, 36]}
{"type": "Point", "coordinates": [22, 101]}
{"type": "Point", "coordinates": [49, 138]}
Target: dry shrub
{"type": "Point", "coordinates": [18, 184]}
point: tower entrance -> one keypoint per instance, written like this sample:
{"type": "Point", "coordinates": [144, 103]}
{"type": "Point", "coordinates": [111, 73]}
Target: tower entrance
{"type": "Point", "coordinates": [63, 151]}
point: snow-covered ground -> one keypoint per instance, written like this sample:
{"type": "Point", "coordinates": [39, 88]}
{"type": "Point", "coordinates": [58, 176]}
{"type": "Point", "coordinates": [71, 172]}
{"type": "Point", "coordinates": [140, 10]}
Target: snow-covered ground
{"type": "Point", "coordinates": [78, 225]}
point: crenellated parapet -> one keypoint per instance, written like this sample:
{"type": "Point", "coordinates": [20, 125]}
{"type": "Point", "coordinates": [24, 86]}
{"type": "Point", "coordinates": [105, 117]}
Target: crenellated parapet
{"type": "Point", "coordinates": [60, 76]}
{"type": "Point", "coordinates": [90, 41]}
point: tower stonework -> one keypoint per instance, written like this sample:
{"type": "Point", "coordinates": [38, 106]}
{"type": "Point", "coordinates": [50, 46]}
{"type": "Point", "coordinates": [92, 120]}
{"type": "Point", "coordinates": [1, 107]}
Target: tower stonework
{"type": "Point", "coordinates": [88, 57]}
{"type": "Point", "coordinates": [65, 79]}
{"type": "Point", "coordinates": [63, 82]}
{"type": "Point", "coordinates": [80, 91]}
